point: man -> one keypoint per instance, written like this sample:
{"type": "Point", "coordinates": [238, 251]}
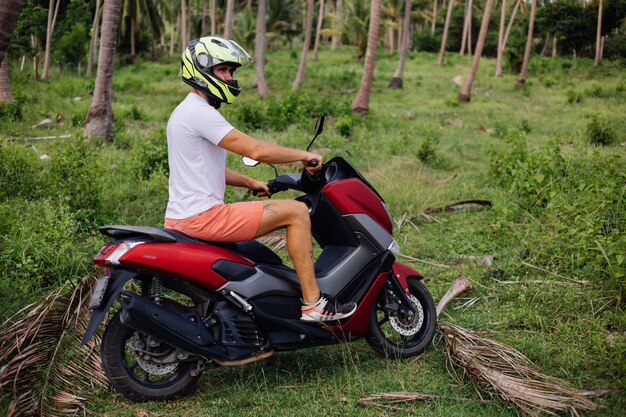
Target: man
{"type": "Point", "coordinates": [198, 137]}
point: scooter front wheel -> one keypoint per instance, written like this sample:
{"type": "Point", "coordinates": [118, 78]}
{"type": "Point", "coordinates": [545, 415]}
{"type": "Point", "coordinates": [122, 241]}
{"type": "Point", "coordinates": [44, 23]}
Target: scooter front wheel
{"type": "Point", "coordinates": [128, 364]}
{"type": "Point", "coordinates": [395, 334]}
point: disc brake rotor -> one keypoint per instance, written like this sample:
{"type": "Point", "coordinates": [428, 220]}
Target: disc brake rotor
{"type": "Point", "coordinates": [135, 344]}
{"type": "Point", "coordinates": [409, 326]}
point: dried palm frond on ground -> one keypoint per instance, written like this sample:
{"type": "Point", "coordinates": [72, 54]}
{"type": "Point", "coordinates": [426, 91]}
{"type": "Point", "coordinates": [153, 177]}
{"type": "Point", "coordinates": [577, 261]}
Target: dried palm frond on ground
{"type": "Point", "coordinates": [42, 366]}
{"type": "Point", "coordinates": [502, 370]}
{"type": "Point", "coordinates": [388, 400]}
{"type": "Point", "coordinates": [496, 368]}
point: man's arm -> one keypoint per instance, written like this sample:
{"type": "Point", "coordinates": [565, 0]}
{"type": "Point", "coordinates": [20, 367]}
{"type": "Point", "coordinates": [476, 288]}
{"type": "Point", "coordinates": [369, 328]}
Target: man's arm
{"type": "Point", "coordinates": [236, 179]}
{"type": "Point", "coordinates": [244, 145]}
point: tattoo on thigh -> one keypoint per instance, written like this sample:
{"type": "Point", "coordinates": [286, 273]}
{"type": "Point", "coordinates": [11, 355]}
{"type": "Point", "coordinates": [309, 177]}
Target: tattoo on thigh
{"type": "Point", "coordinates": [268, 208]}
{"type": "Point", "coordinates": [311, 254]}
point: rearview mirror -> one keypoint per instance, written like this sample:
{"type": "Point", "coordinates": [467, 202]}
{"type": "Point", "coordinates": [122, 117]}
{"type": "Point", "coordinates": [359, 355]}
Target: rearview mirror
{"type": "Point", "coordinates": [249, 162]}
{"type": "Point", "coordinates": [319, 126]}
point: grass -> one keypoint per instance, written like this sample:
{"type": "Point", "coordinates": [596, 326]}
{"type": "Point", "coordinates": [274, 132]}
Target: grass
{"type": "Point", "coordinates": [572, 331]}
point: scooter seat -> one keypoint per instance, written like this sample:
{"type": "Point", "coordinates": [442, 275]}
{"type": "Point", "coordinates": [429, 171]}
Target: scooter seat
{"type": "Point", "coordinates": [253, 250]}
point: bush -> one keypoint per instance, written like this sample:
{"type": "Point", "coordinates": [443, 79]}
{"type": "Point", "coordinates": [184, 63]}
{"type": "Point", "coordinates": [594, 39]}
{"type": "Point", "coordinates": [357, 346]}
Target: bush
{"type": "Point", "coordinates": [10, 112]}
{"type": "Point", "coordinates": [574, 97]}
{"type": "Point", "coordinates": [427, 150]}
{"type": "Point", "coordinates": [344, 126]}
{"type": "Point", "coordinates": [19, 171]}
{"type": "Point", "coordinates": [152, 156]}
{"type": "Point", "coordinates": [72, 46]}
{"type": "Point", "coordinates": [424, 41]}
{"type": "Point", "coordinates": [599, 132]}
{"type": "Point", "coordinates": [529, 174]}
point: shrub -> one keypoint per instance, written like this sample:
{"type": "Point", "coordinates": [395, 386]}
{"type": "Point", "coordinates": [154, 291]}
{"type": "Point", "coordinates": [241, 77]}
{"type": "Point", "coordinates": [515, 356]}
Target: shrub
{"type": "Point", "coordinates": [10, 112]}
{"type": "Point", "coordinates": [344, 126]}
{"type": "Point", "coordinates": [72, 47]}
{"type": "Point", "coordinates": [19, 169]}
{"type": "Point", "coordinates": [599, 132]}
{"type": "Point", "coordinates": [424, 41]}
{"type": "Point", "coordinates": [427, 150]}
{"type": "Point", "coordinates": [75, 178]}
{"type": "Point", "coordinates": [574, 97]}
{"type": "Point", "coordinates": [152, 156]}
{"type": "Point", "coordinates": [529, 174]}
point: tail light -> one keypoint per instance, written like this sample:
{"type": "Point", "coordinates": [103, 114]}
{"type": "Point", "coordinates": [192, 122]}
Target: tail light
{"type": "Point", "coordinates": [111, 253]}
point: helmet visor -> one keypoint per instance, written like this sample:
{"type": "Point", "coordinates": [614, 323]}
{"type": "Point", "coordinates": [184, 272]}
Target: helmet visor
{"type": "Point", "coordinates": [239, 54]}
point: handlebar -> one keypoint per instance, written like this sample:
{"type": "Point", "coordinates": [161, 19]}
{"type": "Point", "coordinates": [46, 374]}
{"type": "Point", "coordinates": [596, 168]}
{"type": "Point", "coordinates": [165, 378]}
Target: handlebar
{"type": "Point", "coordinates": [313, 163]}
{"type": "Point", "coordinates": [274, 188]}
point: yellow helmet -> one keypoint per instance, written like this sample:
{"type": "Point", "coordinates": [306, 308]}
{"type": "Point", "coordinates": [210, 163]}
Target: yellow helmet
{"type": "Point", "coordinates": [198, 60]}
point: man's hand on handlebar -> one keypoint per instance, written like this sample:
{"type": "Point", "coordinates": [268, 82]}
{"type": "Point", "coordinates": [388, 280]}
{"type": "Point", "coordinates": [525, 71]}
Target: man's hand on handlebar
{"type": "Point", "coordinates": [313, 162]}
{"type": "Point", "coordinates": [259, 189]}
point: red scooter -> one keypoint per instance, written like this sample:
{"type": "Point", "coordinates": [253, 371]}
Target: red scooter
{"type": "Point", "coordinates": [194, 304]}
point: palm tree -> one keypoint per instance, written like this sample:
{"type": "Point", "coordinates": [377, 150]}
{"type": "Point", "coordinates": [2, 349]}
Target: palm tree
{"type": "Point", "coordinates": [337, 23]}
{"type": "Point", "coordinates": [466, 40]}
{"type": "Point", "coordinates": [434, 21]}
{"type": "Point", "coordinates": [529, 45]}
{"type": "Point", "coordinates": [502, 44]}
{"type": "Point", "coordinates": [444, 37]}
{"type": "Point", "coordinates": [91, 56]}
{"type": "Point", "coordinates": [9, 12]}
{"type": "Point", "coordinates": [596, 62]}
{"type": "Point", "coordinates": [99, 121]}
{"type": "Point", "coordinates": [396, 81]}
{"type": "Point", "coordinates": [320, 20]}
{"type": "Point", "coordinates": [53, 11]}
{"type": "Point", "coordinates": [356, 24]}
{"type": "Point", "coordinates": [466, 92]}
{"type": "Point", "coordinates": [361, 101]}
{"type": "Point", "coordinates": [230, 18]}
{"type": "Point", "coordinates": [259, 50]}
{"type": "Point", "coordinates": [305, 47]}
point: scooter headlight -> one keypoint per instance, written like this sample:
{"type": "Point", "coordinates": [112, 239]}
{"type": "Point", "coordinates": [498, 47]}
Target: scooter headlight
{"type": "Point", "coordinates": [394, 247]}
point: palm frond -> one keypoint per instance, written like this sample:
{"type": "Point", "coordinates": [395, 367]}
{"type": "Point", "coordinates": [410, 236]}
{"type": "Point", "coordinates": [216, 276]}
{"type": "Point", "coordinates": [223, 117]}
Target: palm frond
{"type": "Point", "coordinates": [501, 370]}
{"type": "Point", "coordinates": [44, 369]}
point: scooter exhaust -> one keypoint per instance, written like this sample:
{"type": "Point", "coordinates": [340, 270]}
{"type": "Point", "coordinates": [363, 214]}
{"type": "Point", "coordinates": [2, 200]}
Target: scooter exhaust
{"type": "Point", "coordinates": [186, 331]}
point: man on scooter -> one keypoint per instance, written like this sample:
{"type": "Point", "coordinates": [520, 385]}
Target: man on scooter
{"type": "Point", "coordinates": [198, 137]}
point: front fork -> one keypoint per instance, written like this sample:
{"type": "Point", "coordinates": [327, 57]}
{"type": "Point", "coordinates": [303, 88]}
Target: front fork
{"type": "Point", "coordinates": [397, 300]}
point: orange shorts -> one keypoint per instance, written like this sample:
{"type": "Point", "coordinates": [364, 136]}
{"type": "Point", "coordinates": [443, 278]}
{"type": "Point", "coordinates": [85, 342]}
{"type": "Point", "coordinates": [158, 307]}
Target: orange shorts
{"type": "Point", "coordinates": [235, 222]}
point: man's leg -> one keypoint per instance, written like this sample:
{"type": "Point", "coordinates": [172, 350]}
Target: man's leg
{"type": "Point", "coordinates": [294, 216]}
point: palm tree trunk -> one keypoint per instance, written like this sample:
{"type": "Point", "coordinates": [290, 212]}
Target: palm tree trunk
{"type": "Point", "coordinates": [529, 45]}
{"type": "Point", "coordinates": [305, 48]}
{"type": "Point", "coordinates": [213, 17]}
{"type": "Point", "coordinates": [230, 18]}
{"type": "Point", "coordinates": [99, 121]}
{"type": "Point", "coordinates": [91, 56]}
{"type": "Point", "coordinates": [434, 22]}
{"type": "Point", "coordinates": [133, 50]}
{"type": "Point", "coordinates": [361, 101]}
{"type": "Point", "coordinates": [554, 46]}
{"type": "Point", "coordinates": [444, 38]}
{"type": "Point", "coordinates": [468, 6]}
{"type": "Point", "coordinates": [466, 92]}
{"type": "Point", "coordinates": [397, 80]}
{"type": "Point", "coordinates": [500, 38]}
{"type": "Point", "coordinates": [9, 12]}
{"type": "Point", "coordinates": [203, 23]}
{"type": "Point", "coordinates": [183, 25]}
{"type": "Point", "coordinates": [6, 96]}
{"type": "Point", "coordinates": [338, 17]}
{"type": "Point", "coordinates": [52, 18]}
{"type": "Point", "coordinates": [259, 50]}
{"type": "Point", "coordinates": [596, 61]}
{"type": "Point", "coordinates": [320, 20]}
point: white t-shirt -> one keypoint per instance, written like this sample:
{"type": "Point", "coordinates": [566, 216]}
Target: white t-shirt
{"type": "Point", "coordinates": [197, 164]}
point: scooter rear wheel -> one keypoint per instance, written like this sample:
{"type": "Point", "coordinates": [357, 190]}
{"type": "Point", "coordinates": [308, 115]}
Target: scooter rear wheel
{"type": "Point", "coordinates": [397, 336]}
{"type": "Point", "coordinates": [136, 377]}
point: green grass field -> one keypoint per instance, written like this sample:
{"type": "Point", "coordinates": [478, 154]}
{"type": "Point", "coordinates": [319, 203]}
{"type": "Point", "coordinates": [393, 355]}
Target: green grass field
{"type": "Point", "coordinates": [557, 230]}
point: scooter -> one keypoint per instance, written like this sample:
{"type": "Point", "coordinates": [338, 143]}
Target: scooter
{"type": "Point", "coordinates": [190, 304]}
